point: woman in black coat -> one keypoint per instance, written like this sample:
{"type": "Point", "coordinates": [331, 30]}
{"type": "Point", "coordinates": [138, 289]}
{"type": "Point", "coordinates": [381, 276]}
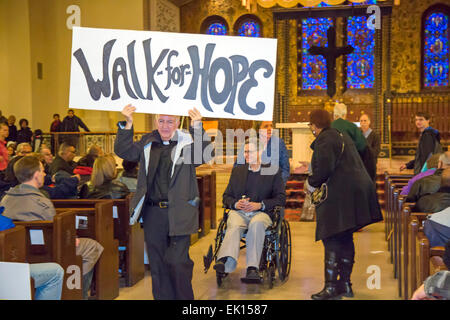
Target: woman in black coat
{"type": "Point", "coordinates": [351, 202]}
{"type": "Point", "coordinates": [25, 133]}
{"type": "Point", "coordinates": [103, 184]}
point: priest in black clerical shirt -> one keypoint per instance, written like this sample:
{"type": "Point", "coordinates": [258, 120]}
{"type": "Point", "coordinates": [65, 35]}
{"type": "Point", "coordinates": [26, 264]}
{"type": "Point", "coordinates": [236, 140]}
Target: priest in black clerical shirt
{"type": "Point", "coordinates": [252, 194]}
{"type": "Point", "coordinates": [166, 196]}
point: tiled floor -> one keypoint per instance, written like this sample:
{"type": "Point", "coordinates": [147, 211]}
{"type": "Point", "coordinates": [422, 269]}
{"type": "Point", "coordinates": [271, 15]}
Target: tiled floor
{"type": "Point", "coordinates": [306, 275]}
{"type": "Point", "coordinates": [306, 278]}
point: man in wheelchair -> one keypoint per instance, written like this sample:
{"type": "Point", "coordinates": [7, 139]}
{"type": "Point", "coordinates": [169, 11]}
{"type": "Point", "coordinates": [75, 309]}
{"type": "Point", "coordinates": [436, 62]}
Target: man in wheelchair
{"type": "Point", "coordinates": [252, 194]}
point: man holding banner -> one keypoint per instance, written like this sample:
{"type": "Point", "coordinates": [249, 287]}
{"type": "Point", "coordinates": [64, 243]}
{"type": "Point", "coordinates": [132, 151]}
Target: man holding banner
{"type": "Point", "coordinates": [167, 196]}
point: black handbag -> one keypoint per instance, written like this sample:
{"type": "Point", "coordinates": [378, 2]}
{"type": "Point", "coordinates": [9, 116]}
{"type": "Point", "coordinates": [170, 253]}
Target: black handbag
{"type": "Point", "coordinates": [319, 195]}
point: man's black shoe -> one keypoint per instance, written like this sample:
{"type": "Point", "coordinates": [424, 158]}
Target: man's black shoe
{"type": "Point", "coordinates": [252, 274]}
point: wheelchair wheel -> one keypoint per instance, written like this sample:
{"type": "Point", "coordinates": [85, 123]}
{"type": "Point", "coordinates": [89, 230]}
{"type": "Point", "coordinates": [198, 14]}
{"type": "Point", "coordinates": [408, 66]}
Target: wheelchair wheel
{"type": "Point", "coordinates": [220, 235]}
{"type": "Point", "coordinates": [269, 275]}
{"type": "Point", "coordinates": [285, 251]}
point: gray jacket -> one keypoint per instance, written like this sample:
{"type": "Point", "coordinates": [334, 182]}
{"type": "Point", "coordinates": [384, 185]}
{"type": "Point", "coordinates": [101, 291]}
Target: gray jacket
{"type": "Point", "coordinates": [438, 285]}
{"type": "Point", "coordinates": [26, 203]}
{"type": "Point", "coordinates": [183, 192]}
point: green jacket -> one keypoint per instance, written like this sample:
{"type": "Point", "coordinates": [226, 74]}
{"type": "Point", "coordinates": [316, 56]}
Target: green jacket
{"type": "Point", "coordinates": [352, 130]}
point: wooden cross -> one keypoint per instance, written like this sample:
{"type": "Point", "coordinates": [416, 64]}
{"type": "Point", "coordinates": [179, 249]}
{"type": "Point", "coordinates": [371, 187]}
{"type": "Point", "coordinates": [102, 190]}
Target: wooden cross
{"type": "Point", "coordinates": [331, 53]}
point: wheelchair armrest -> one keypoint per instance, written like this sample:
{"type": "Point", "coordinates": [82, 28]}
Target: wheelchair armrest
{"type": "Point", "coordinates": [226, 210]}
{"type": "Point", "coordinates": [276, 215]}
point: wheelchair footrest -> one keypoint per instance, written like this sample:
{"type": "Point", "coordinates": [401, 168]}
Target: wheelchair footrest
{"type": "Point", "coordinates": [251, 280]}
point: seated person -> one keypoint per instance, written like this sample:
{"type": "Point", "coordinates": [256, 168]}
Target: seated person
{"type": "Point", "coordinates": [47, 158]}
{"type": "Point", "coordinates": [437, 201]}
{"type": "Point", "coordinates": [60, 186]}
{"type": "Point", "coordinates": [264, 191]}
{"type": "Point", "coordinates": [430, 184]}
{"type": "Point", "coordinates": [437, 285]}
{"type": "Point", "coordinates": [23, 149]}
{"type": "Point", "coordinates": [279, 154]}
{"type": "Point", "coordinates": [48, 277]}
{"type": "Point", "coordinates": [85, 164]}
{"type": "Point", "coordinates": [129, 174]}
{"type": "Point", "coordinates": [89, 159]}
{"type": "Point", "coordinates": [64, 160]}
{"type": "Point", "coordinates": [432, 164]}
{"type": "Point", "coordinates": [25, 202]}
{"type": "Point", "coordinates": [102, 184]}
{"type": "Point", "coordinates": [11, 146]}
{"type": "Point", "coordinates": [437, 228]}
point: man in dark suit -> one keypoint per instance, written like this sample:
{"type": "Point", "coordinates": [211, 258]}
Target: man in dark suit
{"type": "Point", "coordinates": [166, 196]}
{"type": "Point", "coordinates": [252, 193]}
{"type": "Point", "coordinates": [373, 141]}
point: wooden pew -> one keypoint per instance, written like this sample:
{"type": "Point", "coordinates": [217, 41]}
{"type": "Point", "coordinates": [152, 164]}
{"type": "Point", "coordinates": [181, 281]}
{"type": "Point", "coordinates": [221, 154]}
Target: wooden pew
{"type": "Point", "coordinates": [423, 259]}
{"type": "Point", "coordinates": [389, 178]}
{"type": "Point", "coordinates": [404, 229]}
{"type": "Point", "coordinates": [204, 189]}
{"type": "Point", "coordinates": [100, 227]}
{"type": "Point", "coordinates": [59, 246]}
{"type": "Point", "coordinates": [12, 245]}
{"type": "Point", "coordinates": [130, 237]}
{"type": "Point", "coordinates": [389, 190]}
{"type": "Point", "coordinates": [395, 189]}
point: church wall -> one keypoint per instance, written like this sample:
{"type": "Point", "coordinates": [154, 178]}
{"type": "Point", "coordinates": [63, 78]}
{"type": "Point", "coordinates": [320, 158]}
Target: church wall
{"type": "Point", "coordinates": [33, 32]}
{"type": "Point", "coordinates": [51, 44]}
{"type": "Point", "coordinates": [15, 74]}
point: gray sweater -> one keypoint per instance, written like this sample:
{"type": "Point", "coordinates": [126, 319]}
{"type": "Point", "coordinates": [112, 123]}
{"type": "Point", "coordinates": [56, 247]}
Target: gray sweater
{"type": "Point", "coordinates": [26, 203]}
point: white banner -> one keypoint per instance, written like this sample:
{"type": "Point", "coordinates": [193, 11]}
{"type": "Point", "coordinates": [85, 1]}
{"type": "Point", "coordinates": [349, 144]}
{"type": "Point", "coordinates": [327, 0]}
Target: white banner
{"type": "Point", "coordinates": [170, 73]}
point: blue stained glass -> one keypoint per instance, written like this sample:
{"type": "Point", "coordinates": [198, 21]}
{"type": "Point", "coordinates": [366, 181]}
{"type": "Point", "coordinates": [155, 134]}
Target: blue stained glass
{"type": "Point", "coordinates": [436, 51]}
{"type": "Point", "coordinates": [250, 29]}
{"type": "Point", "coordinates": [314, 68]}
{"type": "Point", "coordinates": [217, 28]}
{"type": "Point", "coordinates": [367, 2]}
{"type": "Point", "coordinates": [360, 71]}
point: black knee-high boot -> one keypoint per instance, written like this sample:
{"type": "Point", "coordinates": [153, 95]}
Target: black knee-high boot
{"type": "Point", "coordinates": [330, 291]}
{"type": "Point", "coordinates": [345, 271]}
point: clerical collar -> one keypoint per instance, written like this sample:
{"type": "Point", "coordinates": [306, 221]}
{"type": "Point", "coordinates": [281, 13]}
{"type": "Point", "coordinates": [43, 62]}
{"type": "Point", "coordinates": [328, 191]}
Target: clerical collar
{"type": "Point", "coordinates": [173, 139]}
{"type": "Point", "coordinates": [257, 169]}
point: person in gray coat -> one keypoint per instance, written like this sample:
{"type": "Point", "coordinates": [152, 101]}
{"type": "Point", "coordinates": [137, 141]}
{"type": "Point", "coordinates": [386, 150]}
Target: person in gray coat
{"type": "Point", "coordinates": [25, 202]}
{"type": "Point", "coordinates": [166, 197]}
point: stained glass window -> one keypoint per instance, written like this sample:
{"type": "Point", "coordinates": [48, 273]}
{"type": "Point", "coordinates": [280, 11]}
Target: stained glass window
{"type": "Point", "coordinates": [217, 28]}
{"type": "Point", "coordinates": [436, 51]}
{"type": "Point", "coordinates": [314, 68]}
{"type": "Point", "coordinates": [367, 2]}
{"type": "Point", "coordinates": [250, 29]}
{"type": "Point", "coordinates": [360, 63]}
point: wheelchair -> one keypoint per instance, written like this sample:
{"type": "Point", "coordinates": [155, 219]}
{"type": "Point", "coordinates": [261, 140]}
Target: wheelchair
{"type": "Point", "coordinates": [276, 254]}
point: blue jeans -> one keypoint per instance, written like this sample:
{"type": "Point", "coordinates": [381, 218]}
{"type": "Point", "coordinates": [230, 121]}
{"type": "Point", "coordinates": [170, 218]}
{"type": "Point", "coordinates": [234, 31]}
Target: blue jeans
{"type": "Point", "coordinates": [48, 280]}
